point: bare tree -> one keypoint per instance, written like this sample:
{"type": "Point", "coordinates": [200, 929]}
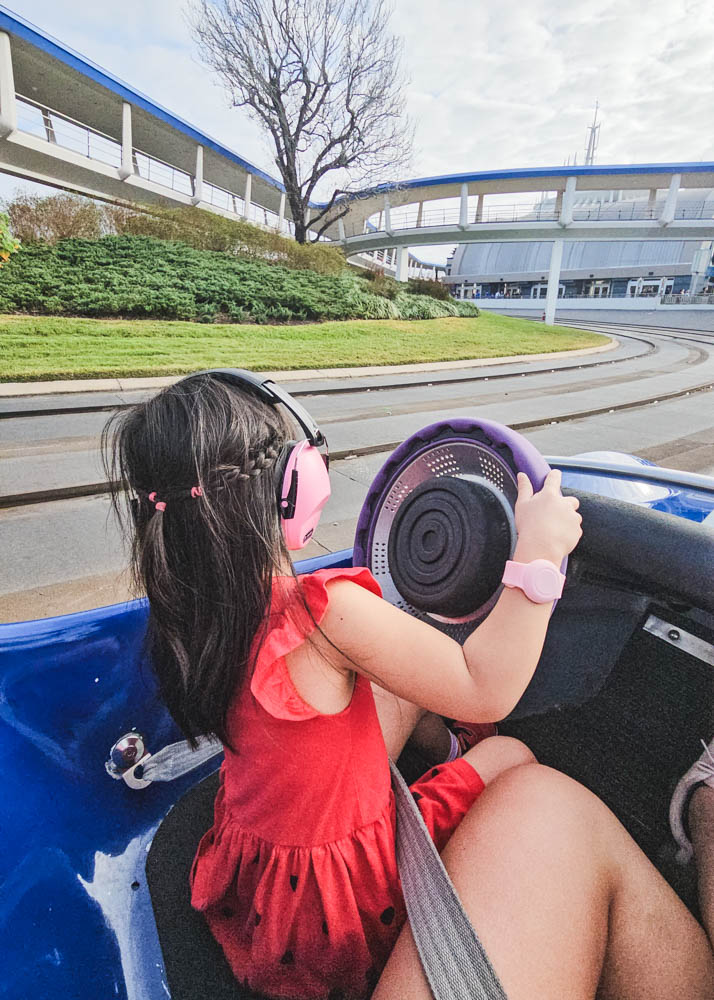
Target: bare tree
{"type": "Point", "coordinates": [324, 79]}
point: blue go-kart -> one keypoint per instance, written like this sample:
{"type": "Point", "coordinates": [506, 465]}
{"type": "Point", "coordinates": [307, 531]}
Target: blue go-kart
{"type": "Point", "coordinates": [95, 856]}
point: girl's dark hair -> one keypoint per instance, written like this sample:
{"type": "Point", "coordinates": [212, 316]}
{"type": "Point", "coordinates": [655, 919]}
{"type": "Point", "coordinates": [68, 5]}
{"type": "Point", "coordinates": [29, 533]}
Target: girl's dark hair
{"type": "Point", "coordinates": [205, 562]}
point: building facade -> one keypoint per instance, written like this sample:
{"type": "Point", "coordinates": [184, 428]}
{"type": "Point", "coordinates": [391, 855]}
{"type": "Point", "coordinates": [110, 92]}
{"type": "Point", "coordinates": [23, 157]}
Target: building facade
{"type": "Point", "coordinates": [599, 269]}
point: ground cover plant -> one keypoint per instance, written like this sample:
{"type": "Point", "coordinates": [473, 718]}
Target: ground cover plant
{"type": "Point", "coordinates": [138, 276]}
{"type": "Point", "coordinates": [33, 348]}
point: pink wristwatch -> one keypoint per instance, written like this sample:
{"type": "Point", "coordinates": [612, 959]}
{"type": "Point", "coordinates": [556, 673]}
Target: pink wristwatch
{"type": "Point", "coordinates": [541, 580]}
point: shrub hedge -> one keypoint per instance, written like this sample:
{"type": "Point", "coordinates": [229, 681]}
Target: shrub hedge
{"type": "Point", "coordinates": [49, 218]}
{"type": "Point", "coordinates": [140, 276]}
{"type": "Point", "coordinates": [426, 286]}
{"type": "Point", "coordinates": [204, 230]}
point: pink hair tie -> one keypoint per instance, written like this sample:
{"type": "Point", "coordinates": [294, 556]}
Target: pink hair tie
{"type": "Point", "coordinates": [158, 504]}
{"type": "Point", "coordinates": [196, 491]}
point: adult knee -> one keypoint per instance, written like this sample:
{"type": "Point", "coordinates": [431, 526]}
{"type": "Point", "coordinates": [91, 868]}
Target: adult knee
{"type": "Point", "coordinates": [497, 754]}
{"type": "Point", "coordinates": [545, 800]}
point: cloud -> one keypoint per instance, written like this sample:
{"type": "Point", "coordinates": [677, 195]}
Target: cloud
{"type": "Point", "coordinates": [495, 84]}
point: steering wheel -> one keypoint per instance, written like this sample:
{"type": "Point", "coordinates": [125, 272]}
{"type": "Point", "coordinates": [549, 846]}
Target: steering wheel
{"type": "Point", "coordinates": [437, 525]}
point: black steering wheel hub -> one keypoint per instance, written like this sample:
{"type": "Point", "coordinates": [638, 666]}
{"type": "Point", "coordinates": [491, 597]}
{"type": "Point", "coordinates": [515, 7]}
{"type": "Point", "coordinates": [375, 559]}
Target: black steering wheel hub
{"type": "Point", "coordinates": [448, 544]}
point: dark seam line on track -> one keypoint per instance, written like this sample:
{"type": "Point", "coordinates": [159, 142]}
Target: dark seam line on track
{"type": "Point", "coordinates": [345, 390]}
{"type": "Point", "coordinates": [100, 489]}
{"type": "Point", "coordinates": [666, 333]}
{"type": "Point", "coordinates": [562, 389]}
{"type": "Point", "coordinates": [641, 327]}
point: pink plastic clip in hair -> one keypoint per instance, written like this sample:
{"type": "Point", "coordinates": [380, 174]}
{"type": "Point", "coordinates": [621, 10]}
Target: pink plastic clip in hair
{"type": "Point", "coordinates": [196, 491]}
{"type": "Point", "coordinates": [160, 505]}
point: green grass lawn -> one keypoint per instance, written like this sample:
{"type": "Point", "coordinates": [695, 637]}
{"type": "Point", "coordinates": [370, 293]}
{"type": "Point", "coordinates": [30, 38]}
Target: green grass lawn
{"type": "Point", "coordinates": [33, 348]}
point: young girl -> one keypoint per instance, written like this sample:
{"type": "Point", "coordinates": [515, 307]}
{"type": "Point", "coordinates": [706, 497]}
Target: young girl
{"type": "Point", "coordinates": [311, 682]}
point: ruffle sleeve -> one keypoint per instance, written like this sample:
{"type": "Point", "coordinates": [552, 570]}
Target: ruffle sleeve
{"type": "Point", "coordinates": [291, 622]}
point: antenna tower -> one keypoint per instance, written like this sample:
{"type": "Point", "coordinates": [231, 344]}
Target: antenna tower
{"type": "Point", "coordinates": [593, 139]}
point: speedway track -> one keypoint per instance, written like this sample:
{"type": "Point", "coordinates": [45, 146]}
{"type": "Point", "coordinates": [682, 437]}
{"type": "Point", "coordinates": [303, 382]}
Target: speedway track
{"type": "Point", "coordinates": [49, 445]}
{"type": "Point", "coordinates": [62, 549]}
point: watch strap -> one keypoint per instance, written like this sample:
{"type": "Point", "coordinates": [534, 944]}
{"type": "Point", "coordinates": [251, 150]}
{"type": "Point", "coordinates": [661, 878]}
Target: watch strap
{"type": "Point", "coordinates": [540, 580]}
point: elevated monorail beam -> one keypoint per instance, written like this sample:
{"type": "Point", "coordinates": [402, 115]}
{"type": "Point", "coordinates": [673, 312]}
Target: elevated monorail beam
{"type": "Point", "coordinates": [663, 181]}
{"type": "Point", "coordinates": [66, 122]}
{"type": "Point", "coordinates": [527, 231]}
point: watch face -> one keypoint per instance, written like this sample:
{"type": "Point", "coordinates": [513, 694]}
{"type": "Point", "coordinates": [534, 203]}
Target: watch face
{"type": "Point", "coordinates": [545, 580]}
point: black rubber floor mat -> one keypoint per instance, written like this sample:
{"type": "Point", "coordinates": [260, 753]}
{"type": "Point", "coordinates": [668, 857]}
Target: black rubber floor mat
{"type": "Point", "coordinates": [633, 741]}
{"type": "Point", "coordinates": [195, 966]}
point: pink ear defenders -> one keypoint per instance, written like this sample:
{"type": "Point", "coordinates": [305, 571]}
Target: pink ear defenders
{"type": "Point", "coordinates": [302, 478]}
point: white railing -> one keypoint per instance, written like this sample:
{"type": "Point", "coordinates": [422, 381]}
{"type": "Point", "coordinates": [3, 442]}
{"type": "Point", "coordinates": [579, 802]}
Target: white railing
{"type": "Point", "coordinates": [221, 198]}
{"type": "Point", "coordinates": [60, 130]}
{"type": "Point", "coordinates": [638, 211]}
{"type": "Point", "coordinates": [410, 217]}
{"type": "Point", "coordinates": [685, 299]}
{"type": "Point", "coordinates": [667, 300]}
{"type": "Point", "coordinates": [159, 172]}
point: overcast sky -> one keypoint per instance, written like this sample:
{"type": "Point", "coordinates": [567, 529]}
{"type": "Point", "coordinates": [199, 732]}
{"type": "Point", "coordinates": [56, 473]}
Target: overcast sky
{"type": "Point", "coordinates": [494, 83]}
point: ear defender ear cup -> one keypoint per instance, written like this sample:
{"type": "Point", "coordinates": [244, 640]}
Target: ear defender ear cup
{"type": "Point", "coordinates": [304, 491]}
{"type": "Point", "coordinates": [301, 475]}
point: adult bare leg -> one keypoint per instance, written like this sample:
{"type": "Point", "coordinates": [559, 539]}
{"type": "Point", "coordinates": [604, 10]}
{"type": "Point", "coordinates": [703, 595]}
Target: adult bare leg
{"type": "Point", "coordinates": [563, 901]}
{"type": "Point", "coordinates": [701, 825]}
{"type": "Point", "coordinates": [399, 718]}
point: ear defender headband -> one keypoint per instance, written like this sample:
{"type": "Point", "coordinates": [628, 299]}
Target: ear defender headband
{"type": "Point", "coordinates": [302, 478]}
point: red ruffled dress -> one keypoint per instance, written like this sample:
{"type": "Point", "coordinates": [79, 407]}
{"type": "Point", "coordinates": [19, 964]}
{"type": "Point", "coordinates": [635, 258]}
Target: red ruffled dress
{"type": "Point", "coordinates": [297, 878]}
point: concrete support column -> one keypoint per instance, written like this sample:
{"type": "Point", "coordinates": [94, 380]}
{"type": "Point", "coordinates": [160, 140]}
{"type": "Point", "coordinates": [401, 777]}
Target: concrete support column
{"type": "Point", "coordinates": [341, 230]}
{"type": "Point", "coordinates": [551, 295]}
{"type": "Point", "coordinates": [247, 197]}
{"type": "Point", "coordinates": [8, 106]}
{"type": "Point", "coordinates": [670, 204]}
{"type": "Point", "coordinates": [127, 146]}
{"type": "Point", "coordinates": [402, 264]}
{"type": "Point", "coordinates": [478, 217]}
{"type": "Point", "coordinates": [198, 177]}
{"type": "Point", "coordinates": [387, 216]}
{"type": "Point", "coordinates": [420, 214]}
{"type": "Point", "coordinates": [567, 202]}
{"type": "Point", "coordinates": [281, 214]}
{"type": "Point", "coordinates": [464, 207]}
{"type": "Point", "coordinates": [700, 263]}
{"type": "Point", "coordinates": [651, 202]}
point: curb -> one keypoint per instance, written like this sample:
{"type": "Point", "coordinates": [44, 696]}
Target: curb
{"type": "Point", "coordinates": [10, 390]}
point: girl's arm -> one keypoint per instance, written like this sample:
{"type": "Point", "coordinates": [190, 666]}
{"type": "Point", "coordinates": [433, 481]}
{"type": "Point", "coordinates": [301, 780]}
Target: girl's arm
{"type": "Point", "coordinates": [483, 680]}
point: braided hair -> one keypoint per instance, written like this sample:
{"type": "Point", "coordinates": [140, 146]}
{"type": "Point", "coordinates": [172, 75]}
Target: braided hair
{"type": "Point", "coordinates": [200, 458]}
{"type": "Point", "coordinates": [262, 458]}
